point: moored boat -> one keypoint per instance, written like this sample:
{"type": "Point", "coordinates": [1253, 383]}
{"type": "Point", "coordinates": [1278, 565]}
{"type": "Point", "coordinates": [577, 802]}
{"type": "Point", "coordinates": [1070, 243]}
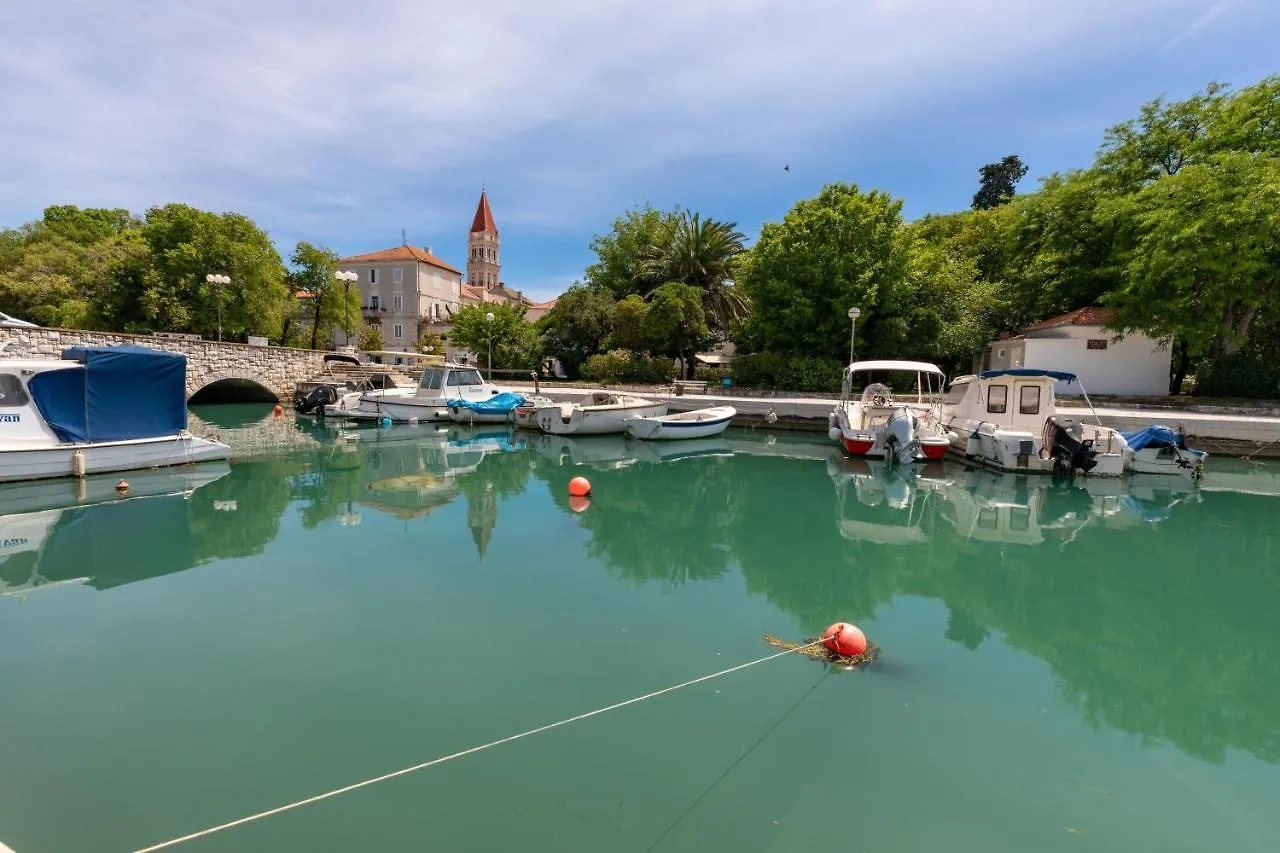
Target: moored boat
{"type": "Point", "coordinates": [699, 423]}
{"type": "Point", "coordinates": [877, 425]}
{"type": "Point", "coordinates": [495, 410]}
{"type": "Point", "coordinates": [601, 413]}
{"type": "Point", "coordinates": [429, 401]}
{"type": "Point", "coordinates": [1008, 419]}
{"type": "Point", "coordinates": [96, 410]}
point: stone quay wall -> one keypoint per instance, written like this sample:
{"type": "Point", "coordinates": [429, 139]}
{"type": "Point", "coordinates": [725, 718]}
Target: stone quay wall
{"type": "Point", "coordinates": [277, 369]}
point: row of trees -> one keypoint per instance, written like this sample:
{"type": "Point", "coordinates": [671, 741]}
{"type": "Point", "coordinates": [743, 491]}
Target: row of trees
{"type": "Point", "coordinates": [95, 268]}
{"type": "Point", "coordinates": [1174, 225]}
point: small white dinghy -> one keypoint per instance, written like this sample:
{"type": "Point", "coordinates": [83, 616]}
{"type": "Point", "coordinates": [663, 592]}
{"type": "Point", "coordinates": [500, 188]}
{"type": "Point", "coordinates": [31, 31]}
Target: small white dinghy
{"type": "Point", "coordinates": [699, 423]}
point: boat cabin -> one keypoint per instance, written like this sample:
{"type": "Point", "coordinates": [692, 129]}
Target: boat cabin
{"type": "Point", "coordinates": [1016, 398]}
{"type": "Point", "coordinates": [450, 381]}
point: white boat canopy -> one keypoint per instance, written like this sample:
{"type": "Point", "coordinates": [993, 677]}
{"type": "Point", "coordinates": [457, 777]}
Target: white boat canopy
{"type": "Point", "coordinates": [912, 366]}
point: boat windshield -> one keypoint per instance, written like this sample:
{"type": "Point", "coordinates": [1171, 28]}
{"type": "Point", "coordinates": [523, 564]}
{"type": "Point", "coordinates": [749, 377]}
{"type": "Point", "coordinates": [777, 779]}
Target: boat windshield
{"type": "Point", "coordinates": [431, 377]}
{"type": "Point", "coordinates": [464, 377]}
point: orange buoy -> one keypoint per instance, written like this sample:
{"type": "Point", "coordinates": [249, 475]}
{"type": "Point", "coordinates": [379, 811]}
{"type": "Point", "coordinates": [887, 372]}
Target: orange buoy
{"type": "Point", "coordinates": [279, 410]}
{"type": "Point", "coordinates": [578, 503]}
{"type": "Point", "coordinates": [122, 487]}
{"type": "Point", "coordinates": [845, 639]}
{"type": "Point", "coordinates": [579, 487]}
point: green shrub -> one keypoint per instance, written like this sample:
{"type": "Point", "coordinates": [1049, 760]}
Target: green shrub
{"type": "Point", "coordinates": [620, 365]}
{"type": "Point", "coordinates": [1244, 375]}
{"type": "Point", "coordinates": [787, 372]}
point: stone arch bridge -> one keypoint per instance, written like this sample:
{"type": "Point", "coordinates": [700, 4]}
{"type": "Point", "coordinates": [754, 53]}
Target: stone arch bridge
{"type": "Point", "coordinates": [248, 372]}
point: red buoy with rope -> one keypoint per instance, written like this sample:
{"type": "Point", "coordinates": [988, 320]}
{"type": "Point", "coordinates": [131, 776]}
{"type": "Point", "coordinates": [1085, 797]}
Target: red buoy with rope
{"type": "Point", "coordinates": [844, 638]}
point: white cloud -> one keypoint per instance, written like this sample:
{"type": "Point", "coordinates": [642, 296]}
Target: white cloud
{"type": "Point", "coordinates": [1210, 14]}
{"type": "Point", "coordinates": [318, 116]}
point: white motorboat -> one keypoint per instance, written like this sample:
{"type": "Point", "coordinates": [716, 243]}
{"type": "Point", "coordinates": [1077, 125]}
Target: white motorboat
{"type": "Point", "coordinates": [96, 410]}
{"type": "Point", "coordinates": [700, 423]}
{"type": "Point", "coordinates": [429, 401]}
{"type": "Point", "coordinates": [877, 424]}
{"type": "Point", "coordinates": [601, 413]}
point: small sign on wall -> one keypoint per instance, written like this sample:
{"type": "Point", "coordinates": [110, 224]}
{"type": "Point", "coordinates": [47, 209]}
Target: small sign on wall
{"type": "Point", "coordinates": [1096, 343]}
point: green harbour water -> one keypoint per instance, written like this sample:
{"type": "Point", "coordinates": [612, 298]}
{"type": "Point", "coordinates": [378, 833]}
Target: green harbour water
{"type": "Point", "coordinates": [1086, 666]}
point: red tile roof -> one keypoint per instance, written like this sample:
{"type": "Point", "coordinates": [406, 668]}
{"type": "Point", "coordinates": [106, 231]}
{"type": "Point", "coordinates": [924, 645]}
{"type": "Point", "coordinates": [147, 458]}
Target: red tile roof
{"type": "Point", "coordinates": [483, 223]}
{"type": "Point", "coordinates": [401, 253]}
{"type": "Point", "coordinates": [1079, 317]}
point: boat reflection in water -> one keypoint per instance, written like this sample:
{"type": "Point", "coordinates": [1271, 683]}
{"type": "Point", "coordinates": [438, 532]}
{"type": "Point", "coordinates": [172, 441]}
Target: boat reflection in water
{"type": "Point", "coordinates": [83, 531]}
{"type": "Point", "coordinates": [887, 505]}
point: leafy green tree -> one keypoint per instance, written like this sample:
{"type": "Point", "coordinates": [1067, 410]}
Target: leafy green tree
{"type": "Point", "coordinates": [578, 326]}
{"type": "Point", "coordinates": [512, 340]}
{"type": "Point", "coordinates": [622, 254]}
{"type": "Point", "coordinates": [628, 325]}
{"type": "Point", "coordinates": [675, 323]}
{"type": "Point", "coordinates": [167, 289]}
{"type": "Point", "coordinates": [371, 338]}
{"type": "Point", "coordinates": [330, 304]}
{"type": "Point", "coordinates": [1206, 264]}
{"type": "Point", "coordinates": [702, 253]}
{"type": "Point", "coordinates": [998, 182]}
{"type": "Point", "coordinates": [843, 249]}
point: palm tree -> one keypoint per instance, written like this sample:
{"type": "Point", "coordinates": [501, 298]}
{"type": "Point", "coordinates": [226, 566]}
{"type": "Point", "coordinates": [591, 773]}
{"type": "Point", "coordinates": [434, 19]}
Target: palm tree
{"type": "Point", "coordinates": [702, 253]}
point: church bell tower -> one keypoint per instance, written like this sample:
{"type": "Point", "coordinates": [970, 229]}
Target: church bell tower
{"type": "Point", "coordinates": [483, 266]}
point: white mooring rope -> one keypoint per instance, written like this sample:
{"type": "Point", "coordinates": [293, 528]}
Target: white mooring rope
{"type": "Point", "coordinates": [424, 765]}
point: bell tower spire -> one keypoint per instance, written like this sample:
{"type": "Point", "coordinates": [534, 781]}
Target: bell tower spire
{"type": "Point", "coordinates": [483, 264]}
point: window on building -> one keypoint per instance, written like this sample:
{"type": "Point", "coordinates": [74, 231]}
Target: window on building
{"type": "Point", "coordinates": [998, 399]}
{"type": "Point", "coordinates": [399, 300]}
{"type": "Point", "coordinates": [397, 275]}
{"type": "Point", "coordinates": [397, 331]}
{"type": "Point", "coordinates": [373, 302]}
{"type": "Point", "coordinates": [1096, 343]}
{"type": "Point", "coordinates": [373, 275]}
{"type": "Point", "coordinates": [12, 393]}
{"type": "Point", "coordinates": [1029, 400]}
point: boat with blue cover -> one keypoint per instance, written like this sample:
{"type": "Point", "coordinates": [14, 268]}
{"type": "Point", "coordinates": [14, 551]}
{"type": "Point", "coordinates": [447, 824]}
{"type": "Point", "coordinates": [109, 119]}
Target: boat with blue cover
{"type": "Point", "coordinates": [498, 409]}
{"type": "Point", "coordinates": [96, 410]}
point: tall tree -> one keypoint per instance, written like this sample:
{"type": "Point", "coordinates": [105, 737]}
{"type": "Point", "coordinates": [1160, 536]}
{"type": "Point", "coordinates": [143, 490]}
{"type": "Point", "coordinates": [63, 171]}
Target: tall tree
{"type": "Point", "coordinates": [675, 323]}
{"type": "Point", "coordinates": [622, 254]}
{"type": "Point", "coordinates": [1206, 264]}
{"type": "Point", "coordinates": [702, 253]}
{"type": "Point", "coordinates": [330, 304]}
{"type": "Point", "coordinates": [512, 341]}
{"type": "Point", "coordinates": [846, 248]}
{"type": "Point", "coordinates": [998, 182]}
{"type": "Point", "coordinates": [578, 325]}
{"type": "Point", "coordinates": [628, 327]}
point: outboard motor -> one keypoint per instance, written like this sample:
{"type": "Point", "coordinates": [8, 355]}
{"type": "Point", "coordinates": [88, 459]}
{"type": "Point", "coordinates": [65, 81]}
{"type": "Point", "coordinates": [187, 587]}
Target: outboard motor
{"type": "Point", "coordinates": [1065, 443]}
{"type": "Point", "coordinates": [900, 436]}
{"type": "Point", "coordinates": [315, 401]}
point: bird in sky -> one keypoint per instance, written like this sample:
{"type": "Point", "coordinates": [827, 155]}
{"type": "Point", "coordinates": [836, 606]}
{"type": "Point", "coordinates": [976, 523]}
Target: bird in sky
{"type": "Point", "coordinates": [786, 168]}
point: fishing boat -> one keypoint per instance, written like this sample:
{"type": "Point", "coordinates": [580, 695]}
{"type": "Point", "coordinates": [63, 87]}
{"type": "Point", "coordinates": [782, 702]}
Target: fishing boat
{"type": "Point", "coordinates": [876, 424]}
{"type": "Point", "coordinates": [429, 401]}
{"type": "Point", "coordinates": [96, 410]}
{"type": "Point", "coordinates": [1008, 420]}
{"type": "Point", "coordinates": [700, 423]}
{"type": "Point", "coordinates": [601, 413]}
{"type": "Point", "coordinates": [495, 410]}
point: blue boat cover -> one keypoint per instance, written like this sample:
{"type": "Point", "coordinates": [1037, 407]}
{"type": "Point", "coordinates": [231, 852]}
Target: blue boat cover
{"type": "Point", "coordinates": [1061, 375]}
{"type": "Point", "coordinates": [120, 393]}
{"type": "Point", "coordinates": [499, 404]}
{"type": "Point", "coordinates": [1154, 436]}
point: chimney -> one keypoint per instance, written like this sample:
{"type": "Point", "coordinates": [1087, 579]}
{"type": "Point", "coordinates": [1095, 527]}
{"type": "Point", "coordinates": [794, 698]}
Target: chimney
{"type": "Point", "coordinates": [428, 248]}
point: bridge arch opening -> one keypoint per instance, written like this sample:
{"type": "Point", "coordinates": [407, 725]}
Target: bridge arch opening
{"type": "Point", "coordinates": [233, 390]}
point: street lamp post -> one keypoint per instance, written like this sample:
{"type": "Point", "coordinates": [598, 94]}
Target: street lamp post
{"type": "Point", "coordinates": [346, 277]}
{"type": "Point", "coordinates": [214, 278]}
{"type": "Point", "coordinates": [854, 314]}
{"type": "Point", "coordinates": [488, 318]}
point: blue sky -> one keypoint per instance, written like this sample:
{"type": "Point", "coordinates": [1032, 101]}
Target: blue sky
{"type": "Point", "coordinates": [343, 123]}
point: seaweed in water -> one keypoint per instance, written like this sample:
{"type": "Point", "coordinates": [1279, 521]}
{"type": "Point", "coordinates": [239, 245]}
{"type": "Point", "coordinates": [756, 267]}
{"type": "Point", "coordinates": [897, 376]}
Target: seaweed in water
{"type": "Point", "coordinates": [822, 653]}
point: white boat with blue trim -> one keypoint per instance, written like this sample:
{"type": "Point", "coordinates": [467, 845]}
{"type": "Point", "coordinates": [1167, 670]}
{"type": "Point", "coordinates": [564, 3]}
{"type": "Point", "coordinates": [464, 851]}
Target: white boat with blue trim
{"type": "Point", "coordinates": [96, 410]}
{"type": "Point", "coordinates": [700, 423]}
{"type": "Point", "coordinates": [440, 385]}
